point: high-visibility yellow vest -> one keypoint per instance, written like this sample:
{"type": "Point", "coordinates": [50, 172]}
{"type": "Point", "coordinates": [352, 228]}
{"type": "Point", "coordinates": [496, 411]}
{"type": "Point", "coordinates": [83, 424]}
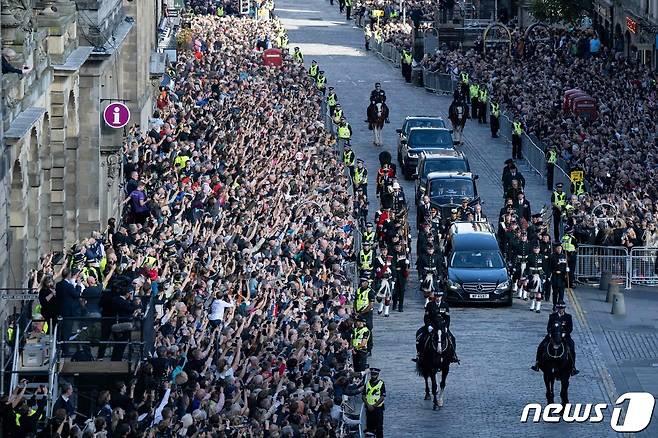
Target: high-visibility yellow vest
{"type": "Point", "coordinates": [474, 90]}
{"type": "Point", "coordinates": [578, 188]}
{"type": "Point", "coordinates": [220, 11]}
{"type": "Point", "coordinates": [552, 157]}
{"type": "Point", "coordinates": [297, 56]}
{"type": "Point", "coordinates": [373, 393]}
{"type": "Point", "coordinates": [369, 236]}
{"type": "Point", "coordinates": [560, 199]}
{"type": "Point", "coordinates": [567, 243]}
{"type": "Point", "coordinates": [320, 81]}
{"type": "Point", "coordinates": [150, 261]}
{"type": "Point", "coordinates": [365, 260]}
{"type": "Point", "coordinates": [483, 95]}
{"type": "Point", "coordinates": [394, 14]}
{"type": "Point", "coordinates": [361, 301]}
{"type": "Point", "coordinates": [495, 110]}
{"type": "Point", "coordinates": [348, 158]}
{"type": "Point", "coordinates": [517, 128]}
{"type": "Point", "coordinates": [407, 58]}
{"type": "Point", "coordinates": [360, 338]}
{"type": "Point", "coordinates": [313, 70]}
{"type": "Point", "coordinates": [344, 132]}
{"type": "Point", "coordinates": [181, 160]}
{"type": "Point", "coordinates": [464, 78]}
{"type": "Point", "coordinates": [331, 99]}
{"type": "Point", "coordinates": [360, 176]}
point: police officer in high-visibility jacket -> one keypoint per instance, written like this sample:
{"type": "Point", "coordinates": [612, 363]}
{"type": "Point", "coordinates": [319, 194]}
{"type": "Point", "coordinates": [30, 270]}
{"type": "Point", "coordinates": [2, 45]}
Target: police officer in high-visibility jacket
{"type": "Point", "coordinates": [551, 161]}
{"type": "Point", "coordinates": [570, 247]}
{"type": "Point", "coordinates": [314, 69]}
{"type": "Point", "coordinates": [344, 129]}
{"type": "Point", "coordinates": [337, 114]}
{"type": "Point", "coordinates": [349, 159]}
{"type": "Point", "coordinates": [373, 399]}
{"type": "Point", "coordinates": [332, 101]}
{"type": "Point", "coordinates": [348, 9]}
{"type": "Point", "coordinates": [360, 339]}
{"type": "Point", "coordinates": [494, 119]}
{"type": "Point", "coordinates": [360, 178]}
{"type": "Point", "coordinates": [559, 203]}
{"type": "Point", "coordinates": [297, 55]}
{"type": "Point", "coordinates": [517, 140]}
{"type": "Point", "coordinates": [321, 82]}
{"type": "Point", "coordinates": [474, 93]}
{"type": "Point", "coordinates": [407, 61]}
{"type": "Point", "coordinates": [483, 98]}
{"type": "Point", "coordinates": [577, 188]}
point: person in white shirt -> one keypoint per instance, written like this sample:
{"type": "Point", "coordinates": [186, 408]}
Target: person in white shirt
{"type": "Point", "coordinates": [217, 308]}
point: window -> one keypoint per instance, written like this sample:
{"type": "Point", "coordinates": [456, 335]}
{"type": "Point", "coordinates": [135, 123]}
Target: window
{"type": "Point", "coordinates": [451, 187]}
{"type": "Point", "coordinates": [430, 138]}
{"type": "Point", "coordinates": [445, 166]}
{"type": "Point", "coordinates": [487, 259]}
{"type": "Point", "coordinates": [423, 123]}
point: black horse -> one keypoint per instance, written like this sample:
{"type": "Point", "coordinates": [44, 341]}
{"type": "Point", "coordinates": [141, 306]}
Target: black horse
{"type": "Point", "coordinates": [555, 362]}
{"type": "Point", "coordinates": [435, 354]}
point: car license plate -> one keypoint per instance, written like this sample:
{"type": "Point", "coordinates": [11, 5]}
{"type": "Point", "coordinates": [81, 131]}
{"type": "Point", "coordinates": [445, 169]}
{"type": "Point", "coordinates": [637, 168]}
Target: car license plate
{"type": "Point", "coordinates": [479, 296]}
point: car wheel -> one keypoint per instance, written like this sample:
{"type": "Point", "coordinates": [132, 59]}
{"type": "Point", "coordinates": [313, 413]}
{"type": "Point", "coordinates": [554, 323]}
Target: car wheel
{"type": "Point", "coordinates": [510, 300]}
{"type": "Point", "coordinates": [399, 158]}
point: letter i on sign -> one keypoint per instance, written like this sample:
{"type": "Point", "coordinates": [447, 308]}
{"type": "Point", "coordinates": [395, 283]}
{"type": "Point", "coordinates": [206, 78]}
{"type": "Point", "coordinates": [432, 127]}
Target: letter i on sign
{"type": "Point", "coordinates": [116, 116]}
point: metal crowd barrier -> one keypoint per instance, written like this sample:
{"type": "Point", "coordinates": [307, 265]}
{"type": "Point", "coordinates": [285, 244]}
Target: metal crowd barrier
{"type": "Point", "coordinates": [594, 260]}
{"type": "Point", "coordinates": [430, 41]}
{"type": "Point", "coordinates": [438, 82]}
{"type": "Point", "coordinates": [643, 266]}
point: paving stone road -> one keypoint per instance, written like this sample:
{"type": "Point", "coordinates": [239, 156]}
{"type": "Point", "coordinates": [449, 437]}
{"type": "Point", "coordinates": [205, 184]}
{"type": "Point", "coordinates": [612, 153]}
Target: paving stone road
{"type": "Point", "coordinates": [485, 395]}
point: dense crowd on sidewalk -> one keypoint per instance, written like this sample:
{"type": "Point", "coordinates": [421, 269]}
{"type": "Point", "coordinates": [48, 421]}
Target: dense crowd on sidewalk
{"type": "Point", "coordinates": [618, 150]}
{"type": "Point", "coordinates": [238, 224]}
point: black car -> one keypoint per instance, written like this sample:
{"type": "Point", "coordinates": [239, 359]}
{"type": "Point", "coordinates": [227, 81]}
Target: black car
{"type": "Point", "coordinates": [422, 140]}
{"type": "Point", "coordinates": [439, 161]}
{"type": "Point", "coordinates": [417, 122]}
{"type": "Point", "coordinates": [476, 271]}
{"type": "Point", "coordinates": [446, 190]}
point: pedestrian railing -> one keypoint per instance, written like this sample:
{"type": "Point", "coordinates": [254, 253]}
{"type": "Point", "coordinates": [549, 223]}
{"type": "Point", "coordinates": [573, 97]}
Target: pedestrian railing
{"type": "Point", "coordinates": [593, 260]}
{"type": "Point", "coordinates": [430, 41]}
{"type": "Point", "coordinates": [438, 82]}
{"type": "Point", "coordinates": [643, 266]}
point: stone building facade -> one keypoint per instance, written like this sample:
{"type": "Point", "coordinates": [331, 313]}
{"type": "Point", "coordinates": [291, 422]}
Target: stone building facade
{"type": "Point", "coordinates": [60, 168]}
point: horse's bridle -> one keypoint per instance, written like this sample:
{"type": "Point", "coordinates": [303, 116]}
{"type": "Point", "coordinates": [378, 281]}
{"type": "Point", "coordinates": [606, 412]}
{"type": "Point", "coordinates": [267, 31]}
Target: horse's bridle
{"type": "Point", "coordinates": [548, 351]}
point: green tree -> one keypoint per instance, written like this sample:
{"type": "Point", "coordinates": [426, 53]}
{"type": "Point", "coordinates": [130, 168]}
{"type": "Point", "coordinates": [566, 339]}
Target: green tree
{"type": "Point", "coordinates": [558, 11]}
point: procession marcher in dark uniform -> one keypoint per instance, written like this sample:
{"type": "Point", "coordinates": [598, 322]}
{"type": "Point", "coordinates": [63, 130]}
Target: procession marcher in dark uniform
{"type": "Point", "coordinates": [423, 211]}
{"type": "Point", "coordinates": [559, 203]}
{"type": "Point", "coordinates": [546, 250]}
{"type": "Point", "coordinates": [534, 228]}
{"type": "Point", "coordinates": [559, 274]}
{"type": "Point", "coordinates": [425, 238]}
{"type": "Point", "coordinates": [464, 210]}
{"type": "Point", "coordinates": [512, 174]}
{"type": "Point", "coordinates": [429, 265]}
{"type": "Point", "coordinates": [535, 266]}
{"type": "Point", "coordinates": [399, 206]}
{"type": "Point", "coordinates": [400, 274]}
{"type": "Point", "coordinates": [523, 210]}
{"type": "Point", "coordinates": [373, 399]}
{"type": "Point", "coordinates": [560, 317]}
{"type": "Point", "coordinates": [361, 337]}
{"type": "Point", "coordinates": [521, 250]}
{"type": "Point", "coordinates": [494, 119]}
{"type": "Point", "coordinates": [385, 176]}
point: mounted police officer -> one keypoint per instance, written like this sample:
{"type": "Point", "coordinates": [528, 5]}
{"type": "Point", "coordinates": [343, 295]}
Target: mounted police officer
{"type": "Point", "coordinates": [562, 318]}
{"type": "Point", "coordinates": [373, 399]}
{"type": "Point", "coordinates": [378, 96]}
{"type": "Point", "coordinates": [436, 317]}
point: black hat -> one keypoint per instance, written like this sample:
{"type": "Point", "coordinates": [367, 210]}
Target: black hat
{"type": "Point", "coordinates": [363, 279]}
{"type": "Point", "coordinates": [535, 245]}
{"type": "Point", "coordinates": [465, 199]}
{"type": "Point", "coordinates": [536, 215]}
{"type": "Point", "coordinates": [568, 229]}
{"type": "Point", "coordinates": [560, 305]}
{"type": "Point", "coordinates": [377, 83]}
{"type": "Point", "coordinates": [330, 88]}
{"type": "Point", "coordinates": [369, 225]}
{"type": "Point", "coordinates": [437, 292]}
{"type": "Point", "coordinates": [360, 319]}
{"type": "Point", "coordinates": [509, 161]}
{"type": "Point", "coordinates": [314, 61]}
{"type": "Point", "coordinates": [359, 160]}
{"type": "Point", "coordinates": [556, 244]}
{"type": "Point", "coordinates": [559, 185]}
{"type": "Point", "coordinates": [375, 370]}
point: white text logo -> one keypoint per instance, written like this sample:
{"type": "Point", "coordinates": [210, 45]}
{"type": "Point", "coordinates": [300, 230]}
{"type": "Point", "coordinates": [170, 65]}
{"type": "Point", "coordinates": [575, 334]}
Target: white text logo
{"type": "Point", "coordinates": [637, 417]}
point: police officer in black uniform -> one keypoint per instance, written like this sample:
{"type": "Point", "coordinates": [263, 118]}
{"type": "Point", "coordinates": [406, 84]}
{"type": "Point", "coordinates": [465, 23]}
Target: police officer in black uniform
{"type": "Point", "coordinates": [559, 274]}
{"type": "Point", "coordinates": [521, 250]}
{"type": "Point", "coordinates": [436, 317]}
{"type": "Point", "coordinates": [560, 317]}
{"type": "Point", "coordinates": [546, 250]}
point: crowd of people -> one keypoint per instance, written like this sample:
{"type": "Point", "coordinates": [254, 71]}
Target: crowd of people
{"type": "Point", "coordinates": [617, 150]}
{"type": "Point", "coordinates": [237, 232]}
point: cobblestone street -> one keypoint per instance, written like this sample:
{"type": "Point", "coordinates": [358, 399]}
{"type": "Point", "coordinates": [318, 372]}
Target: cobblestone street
{"type": "Point", "coordinates": [485, 395]}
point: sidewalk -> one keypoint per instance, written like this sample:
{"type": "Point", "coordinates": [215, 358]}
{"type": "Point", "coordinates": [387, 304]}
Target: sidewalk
{"type": "Point", "coordinates": [628, 344]}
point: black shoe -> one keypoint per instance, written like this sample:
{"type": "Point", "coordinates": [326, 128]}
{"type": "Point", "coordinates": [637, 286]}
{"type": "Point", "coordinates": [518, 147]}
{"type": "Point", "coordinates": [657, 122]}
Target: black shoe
{"type": "Point", "coordinates": [395, 306]}
{"type": "Point", "coordinates": [575, 372]}
{"type": "Point", "coordinates": [415, 359]}
{"type": "Point", "coordinates": [534, 368]}
{"type": "Point", "coordinates": [387, 121]}
{"type": "Point", "coordinates": [494, 136]}
{"type": "Point", "coordinates": [400, 309]}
